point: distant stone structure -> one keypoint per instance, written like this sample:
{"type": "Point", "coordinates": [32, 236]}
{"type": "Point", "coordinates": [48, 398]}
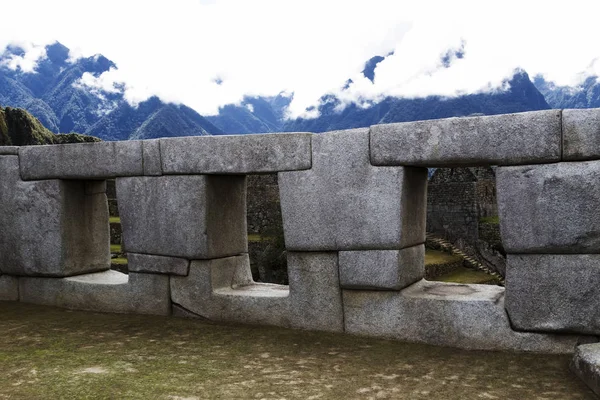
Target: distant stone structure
{"type": "Point", "coordinates": [353, 206]}
{"type": "Point", "coordinates": [462, 208]}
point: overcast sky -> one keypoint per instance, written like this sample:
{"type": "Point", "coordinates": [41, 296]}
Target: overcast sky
{"type": "Point", "coordinates": [179, 49]}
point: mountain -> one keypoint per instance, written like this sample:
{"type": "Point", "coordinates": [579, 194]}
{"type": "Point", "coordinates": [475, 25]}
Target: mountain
{"type": "Point", "coordinates": [521, 95]}
{"type": "Point", "coordinates": [587, 95]}
{"type": "Point", "coordinates": [253, 115]}
{"type": "Point", "coordinates": [19, 128]}
{"type": "Point", "coordinates": [56, 97]}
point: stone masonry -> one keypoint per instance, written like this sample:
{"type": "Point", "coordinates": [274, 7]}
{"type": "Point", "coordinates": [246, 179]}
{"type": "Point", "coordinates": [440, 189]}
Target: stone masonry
{"type": "Point", "coordinates": [353, 206]}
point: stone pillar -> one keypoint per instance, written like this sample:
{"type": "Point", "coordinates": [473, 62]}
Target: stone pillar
{"type": "Point", "coordinates": [370, 215]}
{"type": "Point", "coordinates": [550, 226]}
{"type": "Point", "coordinates": [51, 227]}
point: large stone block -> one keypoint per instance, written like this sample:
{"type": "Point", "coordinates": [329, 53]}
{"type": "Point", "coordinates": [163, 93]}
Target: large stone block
{"type": "Point", "coordinates": [222, 290]}
{"type": "Point", "coordinates": [581, 134]}
{"type": "Point", "coordinates": [550, 208]}
{"type": "Point", "coordinates": [9, 150]}
{"type": "Point", "coordinates": [151, 157]}
{"type": "Point", "coordinates": [51, 227]}
{"type": "Point", "coordinates": [554, 292]}
{"type": "Point", "coordinates": [81, 160]}
{"type": "Point", "coordinates": [108, 291]}
{"type": "Point", "coordinates": [586, 365]}
{"type": "Point", "coordinates": [157, 264]}
{"type": "Point", "coordinates": [445, 314]}
{"type": "Point", "coordinates": [382, 269]}
{"type": "Point", "coordinates": [236, 154]}
{"type": "Point", "coordinates": [507, 139]}
{"type": "Point", "coordinates": [315, 294]}
{"type": "Point", "coordinates": [193, 217]}
{"type": "Point", "coordinates": [345, 203]}
{"type": "Point", "coordinates": [9, 288]}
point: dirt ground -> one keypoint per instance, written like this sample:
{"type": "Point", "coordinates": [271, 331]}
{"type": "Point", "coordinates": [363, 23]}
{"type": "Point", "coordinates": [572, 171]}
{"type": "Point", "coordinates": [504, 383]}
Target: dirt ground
{"type": "Point", "coordinates": [47, 353]}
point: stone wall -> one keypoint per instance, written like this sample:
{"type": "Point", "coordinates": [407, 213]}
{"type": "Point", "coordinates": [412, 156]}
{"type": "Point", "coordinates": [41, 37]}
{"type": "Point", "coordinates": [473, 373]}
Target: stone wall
{"type": "Point", "coordinates": [264, 208]}
{"type": "Point", "coordinates": [354, 211]}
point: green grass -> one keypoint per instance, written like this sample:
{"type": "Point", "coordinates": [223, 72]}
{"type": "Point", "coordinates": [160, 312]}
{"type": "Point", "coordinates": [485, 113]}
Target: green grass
{"type": "Point", "coordinates": [436, 257]}
{"type": "Point", "coordinates": [114, 220]}
{"type": "Point", "coordinates": [466, 275]}
{"type": "Point", "coordinates": [119, 261]}
{"type": "Point", "coordinates": [47, 353]}
{"type": "Point", "coordinates": [490, 220]}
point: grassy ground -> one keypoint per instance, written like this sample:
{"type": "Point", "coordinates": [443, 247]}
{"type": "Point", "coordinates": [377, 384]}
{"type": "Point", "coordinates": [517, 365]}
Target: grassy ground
{"type": "Point", "coordinates": [47, 353]}
{"type": "Point", "coordinates": [440, 257]}
{"type": "Point", "coordinates": [466, 275]}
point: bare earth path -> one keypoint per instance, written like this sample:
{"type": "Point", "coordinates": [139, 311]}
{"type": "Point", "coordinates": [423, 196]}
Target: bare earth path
{"type": "Point", "coordinates": [47, 353]}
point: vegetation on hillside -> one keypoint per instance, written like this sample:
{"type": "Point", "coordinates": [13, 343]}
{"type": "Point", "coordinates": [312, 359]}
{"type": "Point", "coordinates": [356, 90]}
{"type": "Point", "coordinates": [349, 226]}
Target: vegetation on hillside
{"type": "Point", "coordinates": [19, 128]}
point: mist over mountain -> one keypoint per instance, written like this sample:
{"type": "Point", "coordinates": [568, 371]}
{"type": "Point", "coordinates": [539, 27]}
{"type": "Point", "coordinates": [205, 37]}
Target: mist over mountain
{"type": "Point", "coordinates": [57, 94]}
{"type": "Point", "coordinates": [587, 95]}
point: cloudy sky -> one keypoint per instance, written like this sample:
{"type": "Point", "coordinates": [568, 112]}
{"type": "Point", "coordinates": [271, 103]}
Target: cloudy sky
{"type": "Point", "coordinates": [180, 49]}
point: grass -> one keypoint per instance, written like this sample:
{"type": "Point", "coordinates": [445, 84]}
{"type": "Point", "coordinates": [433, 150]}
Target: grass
{"type": "Point", "coordinates": [118, 261]}
{"type": "Point", "coordinates": [433, 257]}
{"type": "Point", "coordinates": [47, 353]}
{"type": "Point", "coordinates": [490, 220]}
{"type": "Point", "coordinates": [466, 275]}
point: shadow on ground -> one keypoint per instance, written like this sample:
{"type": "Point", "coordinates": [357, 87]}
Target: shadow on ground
{"type": "Point", "coordinates": [47, 353]}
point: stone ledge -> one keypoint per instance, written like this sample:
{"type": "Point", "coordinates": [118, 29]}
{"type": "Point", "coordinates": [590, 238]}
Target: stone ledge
{"type": "Point", "coordinates": [108, 291]}
{"type": "Point", "coordinates": [81, 160]}
{"type": "Point", "coordinates": [507, 139]}
{"type": "Point", "coordinates": [465, 316]}
{"type": "Point", "coordinates": [154, 264]}
{"type": "Point", "coordinates": [9, 150]}
{"type": "Point", "coordinates": [586, 365]}
{"type": "Point", "coordinates": [236, 154]}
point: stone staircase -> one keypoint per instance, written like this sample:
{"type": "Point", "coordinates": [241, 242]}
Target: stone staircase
{"type": "Point", "coordinates": [471, 270]}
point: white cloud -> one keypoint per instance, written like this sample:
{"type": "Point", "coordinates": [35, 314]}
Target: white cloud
{"type": "Point", "coordinates": [175, 49]}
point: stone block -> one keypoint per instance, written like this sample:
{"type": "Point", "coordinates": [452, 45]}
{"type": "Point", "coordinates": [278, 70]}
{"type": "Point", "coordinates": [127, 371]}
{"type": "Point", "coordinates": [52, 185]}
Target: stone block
{"type": "Point", "coordinates": [9, 288]}
{"type": "Point", "coordinates": [157, 264]}
{"type": "Point", "coordinates": [550, 208]}
{"type": "Point", "coordinates": [382, 269]}
{"type": "Point", "coordinates": [581, 134]}
{"type": "Point", "coordinates": [554, 292]}
{"type": "Point", "coordinates": [345, 203]}
{"type": "Point", "coordinates": [151, 157]}
{"type": "Point", "coordinates": [445, 314]}
{"type": "Point", "coordinates": [9, 150]}
{"type": "Point", "coordinates": [50, 227]}
{"type": "Point", "coordinates": [236, 154]}
{"type": "Point", "coordinates": [222, 290]}
{"type": "Point", "coordinates": [192, 217]}
{"type": "Point", "coordinates": [315, 294]}
{"type": "Point", "coordinates": [586, 365]}
{"type": "Point", "coordinates": [81, 160]}
{"type": "Point", "coordinates": [507, 139]}
{"type": "Point", "coordinates": [108, 291]}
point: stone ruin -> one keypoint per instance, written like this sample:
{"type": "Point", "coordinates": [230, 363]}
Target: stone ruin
{"type": "Point", "coordinates": [354, 210]}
